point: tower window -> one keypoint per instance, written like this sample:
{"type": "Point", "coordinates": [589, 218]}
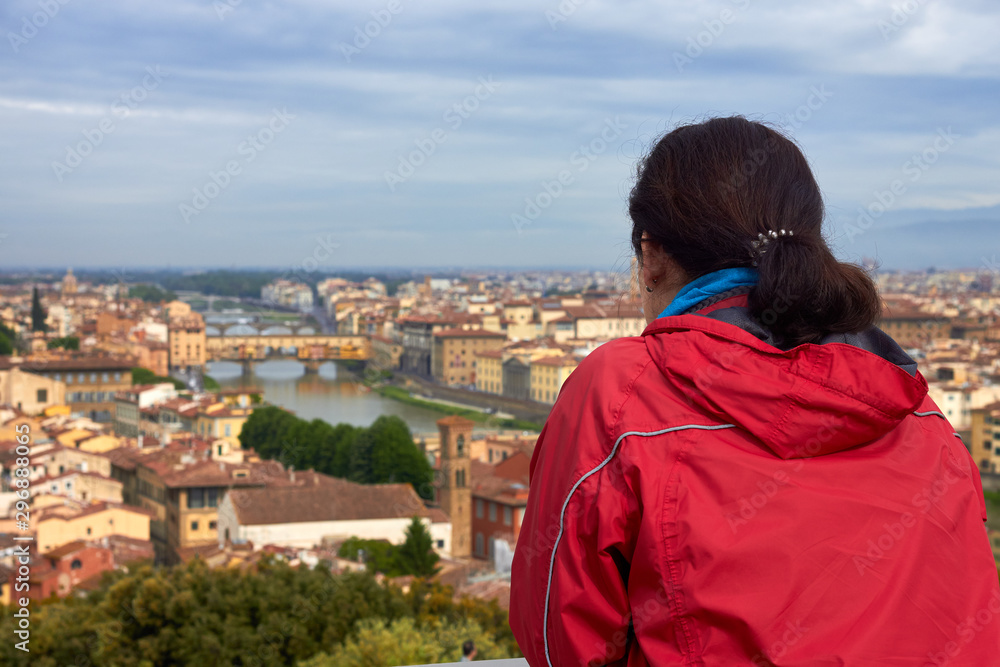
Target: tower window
{"type": "Point", "coordinates": [460, 446]}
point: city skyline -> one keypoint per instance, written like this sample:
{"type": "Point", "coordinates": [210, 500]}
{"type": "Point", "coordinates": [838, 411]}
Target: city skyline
{"type": "Point", "coordinates": [235, 134]}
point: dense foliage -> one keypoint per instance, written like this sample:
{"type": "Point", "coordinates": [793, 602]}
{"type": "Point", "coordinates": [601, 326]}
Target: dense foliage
{"type": "Point", "coordinates": [150, 293]}
{"type": "Point", "coordinates": [414, 556]}
{"type": "Point", "coordinates": [66, 343]}
{"type": "Point", "coordinates": [146, 376]}
{"type": "Point", "coordinates": [383, 452]}
{"type": "Point", "coordinates": [276, 615]}
{"type": "Point", "coordinates": [8, 340]}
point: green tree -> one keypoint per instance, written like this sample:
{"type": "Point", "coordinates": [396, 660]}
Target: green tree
{"type": "Point", "coordinates": [38, 314]}
{"type": "Point", "coordinates": [8, 340]}
{"type": "Point", "coordinates": [404, 642]}
{"type": "Point", "coordinates": [377, 555]}
{"type": "Point", "coordinates": [385, 453]}
{"type": "Point", "coordinates": [416, 555]}
{"type": "Point", "coordinates": [146, 376]}
{"type": "Point", "coordinates": [150, 293]}
{"type": "Point", "coordinates": [66, 343]}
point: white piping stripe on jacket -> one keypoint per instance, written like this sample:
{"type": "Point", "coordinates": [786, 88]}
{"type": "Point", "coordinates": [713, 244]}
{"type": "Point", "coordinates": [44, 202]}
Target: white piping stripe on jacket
{"type": "Point", "coordinates": [935, 413]}
{"type": "Point", "coordinates": [562, 513]}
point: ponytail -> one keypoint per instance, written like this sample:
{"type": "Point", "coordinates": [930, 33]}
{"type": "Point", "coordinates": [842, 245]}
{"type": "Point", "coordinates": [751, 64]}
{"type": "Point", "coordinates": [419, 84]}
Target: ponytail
{"type": "Point", "coordinates": [804, 292]}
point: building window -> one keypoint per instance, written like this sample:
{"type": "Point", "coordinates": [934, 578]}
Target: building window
{"type": "Point", "coordinates": [69, 378]}
{"type": "Point", "coordinates": [194, 525]}
{"type": "Point", "coordinates": [79, 378]}
{"type": "Point", "coordinates": [440, 544]}
{"type": "Point", "coordinates": [212, 525]}
{"type": "Point", "coordinates": [196, 498]}
{"type": "Point", "coordinates": [42, 396]}
{"type": "Point", "coordinates": [88, 530]}
{"type": "Point", "coordinates": [507, 516]}
{"type": "Point", "coordinates": [212, 496]}
{"type": "Point", "coordinates": [460, 446]}
{"type": "Point", "coordinates": [479, 545]}
{"type": "Point", "coordinates": [479, 508]}
{"type": "Point", "coordinates": [229, 431]}
{"type": "Point", "coordinates": [93, 377]}
{"type": "Point", "coordinates": [76, 564]}
{"type": "Point", "coordinates": [493, 511]}
{"type": "Point", "coordinates": [118, 377]}
{"type": "Point", "coordinates": [459, 479]}
{"type": "Point", "coordinates": [104, 377]}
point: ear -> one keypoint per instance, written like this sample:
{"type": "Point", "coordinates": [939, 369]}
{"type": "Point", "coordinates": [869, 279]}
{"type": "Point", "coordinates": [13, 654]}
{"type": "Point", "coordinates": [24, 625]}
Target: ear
{"type": "Point", "coordinates": [656, 263]}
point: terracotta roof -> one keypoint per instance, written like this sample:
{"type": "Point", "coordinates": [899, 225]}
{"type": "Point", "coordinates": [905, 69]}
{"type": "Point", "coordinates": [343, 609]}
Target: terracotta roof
{"type": "Point", "coordinates": [557, 360]}
{"type": "Point", "coordinates": [58, 512]}
{"type": "Point", "coordinates": [75, 473]}
{"type": "Point", "coordinates": [338, 500]}
{"type": "Point", "coordinates": [79, 364]}
{"type": "Point", "coordinates": [506, 482]}
{"type": "Point", "coordinates": [66, 550]}
{"type": "Point", "coordinates": [468, 333]}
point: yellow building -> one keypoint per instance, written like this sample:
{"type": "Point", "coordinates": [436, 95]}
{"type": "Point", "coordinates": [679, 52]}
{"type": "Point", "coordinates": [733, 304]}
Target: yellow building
{"type": "Point", "coordinates": [59, 525]}
{"type": "Point", "coordinates": [221, 422]}
{"type": "Point", "coordinates": [186, 342]}
{"type": "Point", "coordinates": [489, 372]}
{"type": "Point", "coordinates": [30, 392]}
{"type": "Point", "coordinates": [453, 358]}
{"type": "Point", "coordinates": [548, 375]}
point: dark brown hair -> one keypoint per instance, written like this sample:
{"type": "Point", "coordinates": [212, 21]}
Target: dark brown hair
{"type": "Point", "coordinates": [706, 191]}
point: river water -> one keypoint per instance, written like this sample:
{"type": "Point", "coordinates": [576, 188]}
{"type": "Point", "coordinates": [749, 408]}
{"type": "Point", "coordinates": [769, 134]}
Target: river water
{"type": "Point", "coordinates": [322, 395]}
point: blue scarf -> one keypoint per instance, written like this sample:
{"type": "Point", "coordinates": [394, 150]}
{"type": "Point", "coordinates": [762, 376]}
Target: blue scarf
{"type": "Point", "coordinates": [708, 286]}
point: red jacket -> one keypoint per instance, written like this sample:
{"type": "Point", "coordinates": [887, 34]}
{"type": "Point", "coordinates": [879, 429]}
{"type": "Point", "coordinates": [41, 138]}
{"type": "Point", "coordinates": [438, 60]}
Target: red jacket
{"type": "Point", "coordinates": [700, 497]}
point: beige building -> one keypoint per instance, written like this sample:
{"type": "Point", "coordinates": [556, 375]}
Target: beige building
{"type": "Point", "coordinates": [29, 392]}
{"type": "Point", "coordinates": [91, 382]}
{"type": "Point", "coordinates": [59, 525]}
{"type": "Point", "coordinates": [597, 322]}
{"type": "Point", "coordinates": [186, 342]}
{"type": "Point", "coordinates": [79, 485]}
{"type": "Point", "coordinates": [454, 354]}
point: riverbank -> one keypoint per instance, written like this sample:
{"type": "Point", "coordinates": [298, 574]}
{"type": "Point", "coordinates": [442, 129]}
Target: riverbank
{"type": "Point", "coordinates": [449, 408]}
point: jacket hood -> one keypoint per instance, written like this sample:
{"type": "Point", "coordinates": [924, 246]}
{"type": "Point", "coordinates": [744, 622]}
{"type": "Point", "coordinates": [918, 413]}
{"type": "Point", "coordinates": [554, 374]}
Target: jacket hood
{"type": "Point", "coordinates": [810, 400]}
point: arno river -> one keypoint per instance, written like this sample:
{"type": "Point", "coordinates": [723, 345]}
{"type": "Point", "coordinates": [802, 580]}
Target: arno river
{"type": "Point", "coordinates": [323, 395]}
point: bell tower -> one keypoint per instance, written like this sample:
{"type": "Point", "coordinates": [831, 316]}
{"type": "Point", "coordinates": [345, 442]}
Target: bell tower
{"type": "Point", "coordinates": [454, 494]}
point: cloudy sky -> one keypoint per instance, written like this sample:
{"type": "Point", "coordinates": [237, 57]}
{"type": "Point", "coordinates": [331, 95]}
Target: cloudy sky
{"type": "Point", "coordinates": [330, 134]}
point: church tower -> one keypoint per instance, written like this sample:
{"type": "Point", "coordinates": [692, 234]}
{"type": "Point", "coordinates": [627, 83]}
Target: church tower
{"type": "Point", "coordinates": [454, 495]}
